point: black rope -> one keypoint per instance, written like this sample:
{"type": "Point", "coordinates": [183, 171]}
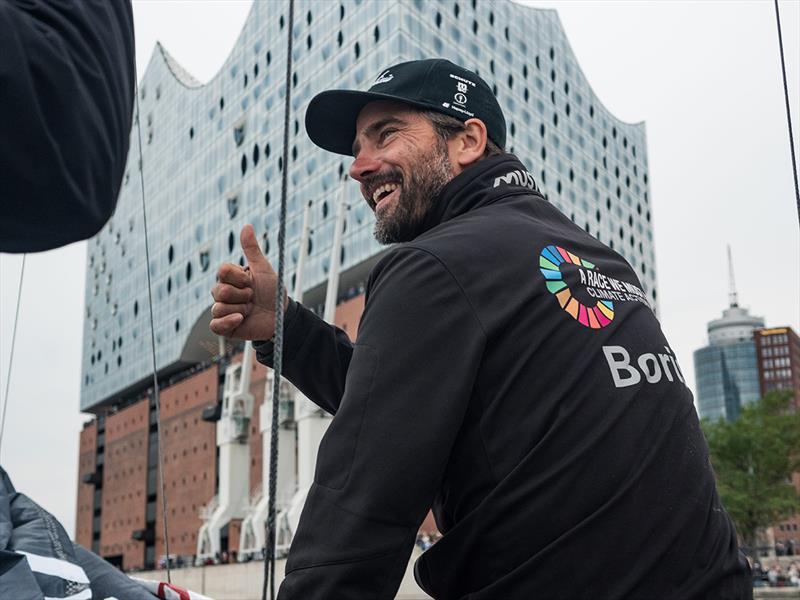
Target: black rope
{"type": "Point", "coordinates": [788, 111]}
{"type": "Point", "coordinates": [277, 363]}
{"type": "Point", "coordinates": [153, 342]}
{"type": "Point", "coordinates": [11, 357]}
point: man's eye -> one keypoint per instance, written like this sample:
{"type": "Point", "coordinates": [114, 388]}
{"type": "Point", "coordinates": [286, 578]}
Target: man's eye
{"type": "Point", "coordinates": [386, 133]}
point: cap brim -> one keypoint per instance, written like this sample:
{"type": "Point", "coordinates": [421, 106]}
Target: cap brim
{"type": "Point", "coordinates": [331, 117]}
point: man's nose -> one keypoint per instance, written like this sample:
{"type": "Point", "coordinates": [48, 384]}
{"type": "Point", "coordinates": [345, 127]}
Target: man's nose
{"type": "Point", "coordinates": [364, 165]}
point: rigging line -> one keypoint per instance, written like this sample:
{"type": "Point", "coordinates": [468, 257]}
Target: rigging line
{"type": "Point", "coordinates": [11, 357]}
{"type": "Point", "coordinates": [788, 111]}
{"type": "Point", "coordinates": [277, 363]}
{"type": "Point", "coordinates": [153, 340]}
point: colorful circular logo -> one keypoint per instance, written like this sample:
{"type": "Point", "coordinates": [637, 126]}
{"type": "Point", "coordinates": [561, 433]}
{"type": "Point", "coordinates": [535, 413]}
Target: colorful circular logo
{"type": "Point", "coordinates": [550, 261]}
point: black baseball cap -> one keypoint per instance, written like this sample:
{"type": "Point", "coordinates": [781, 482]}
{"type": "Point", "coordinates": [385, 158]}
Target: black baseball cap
{"type": "Point", "coordinates": [432, 84]}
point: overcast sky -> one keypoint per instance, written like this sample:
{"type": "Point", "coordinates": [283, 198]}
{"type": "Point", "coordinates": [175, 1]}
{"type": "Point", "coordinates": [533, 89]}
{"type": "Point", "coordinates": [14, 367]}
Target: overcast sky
{"type": "Point", "coordinates": [705, 78]}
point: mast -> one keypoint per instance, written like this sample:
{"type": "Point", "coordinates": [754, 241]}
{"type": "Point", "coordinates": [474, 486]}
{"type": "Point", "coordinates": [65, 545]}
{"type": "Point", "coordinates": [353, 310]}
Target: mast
{"type": "Point", "coordinates": [733, 297]}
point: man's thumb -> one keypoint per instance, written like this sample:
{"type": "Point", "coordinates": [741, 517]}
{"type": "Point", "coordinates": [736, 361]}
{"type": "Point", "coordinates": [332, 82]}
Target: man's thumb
{"type": "Point", "coordinates": [252, 251]}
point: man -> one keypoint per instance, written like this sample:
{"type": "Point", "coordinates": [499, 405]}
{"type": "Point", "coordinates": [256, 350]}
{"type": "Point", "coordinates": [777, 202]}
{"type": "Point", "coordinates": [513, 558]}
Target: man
{"type": "Point", "coordinates": [546, 427]}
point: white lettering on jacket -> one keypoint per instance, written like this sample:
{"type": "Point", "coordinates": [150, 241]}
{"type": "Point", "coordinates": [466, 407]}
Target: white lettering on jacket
{"type": "Point", "coordinates": [652, 366]}
{"type": "Point", "coordinates": [517, 177]}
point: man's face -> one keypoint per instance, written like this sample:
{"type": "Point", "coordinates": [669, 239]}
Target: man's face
{"type": "Point", "coordinates": [401, 164]}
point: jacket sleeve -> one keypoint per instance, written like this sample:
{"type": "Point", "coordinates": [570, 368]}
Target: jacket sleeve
{"type": "Point", "coordinates": [316, 356]}
{"type": "Point", "coordinates": [66, 96]}
{"type": "Point", "coordinates": [381, 460]}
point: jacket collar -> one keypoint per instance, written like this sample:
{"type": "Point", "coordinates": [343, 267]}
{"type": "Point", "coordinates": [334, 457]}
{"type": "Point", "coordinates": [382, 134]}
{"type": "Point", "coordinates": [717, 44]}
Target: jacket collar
{"type": "Point", "coordinates": [479, 185]}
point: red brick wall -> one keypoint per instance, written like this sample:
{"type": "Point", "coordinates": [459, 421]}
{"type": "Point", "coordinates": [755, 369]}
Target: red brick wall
{"type": "Point", "coordinates": [125, 484]}
{"type": "Point", "coordinates": [348, 315]}
{"type": "Point", "coordinates": [258, 378]}
{"type": "Point", "coordinates": [86, 466]}
{"type": "Point", "coordinates": [189, 448]}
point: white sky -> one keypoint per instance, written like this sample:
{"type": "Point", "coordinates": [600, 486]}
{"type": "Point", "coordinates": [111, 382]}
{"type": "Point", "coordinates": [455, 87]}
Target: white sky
{"type": "Point", "coordinates": [704, 76]}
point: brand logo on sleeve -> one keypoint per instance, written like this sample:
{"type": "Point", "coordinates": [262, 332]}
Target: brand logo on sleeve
{"type": "Point", "coordinates": [582, 291]}
{"type": "Point", "coordinates": [589, 297]}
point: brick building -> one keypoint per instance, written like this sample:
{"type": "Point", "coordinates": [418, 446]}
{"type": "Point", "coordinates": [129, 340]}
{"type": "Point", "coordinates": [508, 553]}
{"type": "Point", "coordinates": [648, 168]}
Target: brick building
{"type": "Point", "coordinates": [119, 509]}
{"type": "Point", "coordinates": [778, 353]}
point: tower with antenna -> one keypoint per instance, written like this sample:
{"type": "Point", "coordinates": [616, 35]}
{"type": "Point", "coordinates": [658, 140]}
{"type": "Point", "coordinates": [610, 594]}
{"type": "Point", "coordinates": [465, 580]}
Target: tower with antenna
{"type": "Point", "coordinates": [726, 369]}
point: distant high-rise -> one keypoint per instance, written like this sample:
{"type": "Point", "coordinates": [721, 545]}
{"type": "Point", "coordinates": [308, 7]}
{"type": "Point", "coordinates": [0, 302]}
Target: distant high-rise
{"type": "Point", "coordinates": [778, 354]}
{"type": "Point", "coordinates": [726, 371]}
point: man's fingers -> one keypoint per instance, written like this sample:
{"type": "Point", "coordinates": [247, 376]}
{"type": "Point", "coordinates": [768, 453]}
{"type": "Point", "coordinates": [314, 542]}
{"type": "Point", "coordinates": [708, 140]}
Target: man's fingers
{"type": "Point", "coordinates": [226, 325]}
{"type": "Point", "coordinates": [234, 275]}
{"type": "Point", "coordinates": [221, 309]}
{"type": "Point", "coordinates": [228, 294]}
{"type": "Point", "coordinates": [252, 251]}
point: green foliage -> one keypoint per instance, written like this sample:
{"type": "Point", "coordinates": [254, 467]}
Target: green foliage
{"type": "Point", "coordinates": [754, 458]}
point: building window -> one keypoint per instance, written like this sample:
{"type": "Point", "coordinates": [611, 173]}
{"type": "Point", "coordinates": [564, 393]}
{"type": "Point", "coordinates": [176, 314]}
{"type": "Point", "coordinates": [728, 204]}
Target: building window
{"type": "Point", "coordinates": [238, 134]}
{"type": "Point", "coordinates": [233, 206]}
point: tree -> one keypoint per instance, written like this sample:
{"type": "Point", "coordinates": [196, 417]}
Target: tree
{"type": "Point", "coordinates": [754, 458]}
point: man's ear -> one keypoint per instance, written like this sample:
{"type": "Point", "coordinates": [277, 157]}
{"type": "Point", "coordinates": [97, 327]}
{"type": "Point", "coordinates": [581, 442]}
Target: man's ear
{"type": "Point", "coordinates": [468, 146]}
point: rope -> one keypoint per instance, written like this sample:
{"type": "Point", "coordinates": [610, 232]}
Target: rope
{"type": "Point", "coordinates": [277, 364]}
{"type": "Point", "coordinates": [11, 357]}
{"type": "Point", "coordinates": [153, 339]}
{"type": "Point", "coordinates": [788, 111]}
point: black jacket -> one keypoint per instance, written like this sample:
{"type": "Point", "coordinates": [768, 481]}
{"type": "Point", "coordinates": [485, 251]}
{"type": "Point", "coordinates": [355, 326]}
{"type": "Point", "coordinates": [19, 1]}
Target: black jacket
{"type": "Point", "coordinates": [66, 100]}
{"type": "Point", "coordinates": [554, 437]}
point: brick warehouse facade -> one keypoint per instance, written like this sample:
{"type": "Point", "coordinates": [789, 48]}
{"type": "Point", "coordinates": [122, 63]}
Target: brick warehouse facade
{"type": "Point", "coordinates": [125, 485]}
{"type": "Point", "coordinates": [189, 448]}
{"type": "Point", "coordinates": [119, 510]}
{"type": "Point", "coordinates": [87, 467]}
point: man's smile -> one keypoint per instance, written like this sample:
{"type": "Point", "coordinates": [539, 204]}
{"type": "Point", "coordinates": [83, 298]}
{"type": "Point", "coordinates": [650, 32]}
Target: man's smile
{"type": "Point", "coordinates": [391, 191]}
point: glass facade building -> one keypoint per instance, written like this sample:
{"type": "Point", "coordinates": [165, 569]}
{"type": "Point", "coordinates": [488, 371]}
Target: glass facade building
{"type": "Point", "coordinates": [726, 371]}
{"type": "Point", "coordinates": [210, 161]}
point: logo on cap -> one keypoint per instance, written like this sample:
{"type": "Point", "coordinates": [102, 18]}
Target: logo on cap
{"type": "Point", "coordinates": [460, 97]}
{"type": "Point", "coordinates": [384, 77]}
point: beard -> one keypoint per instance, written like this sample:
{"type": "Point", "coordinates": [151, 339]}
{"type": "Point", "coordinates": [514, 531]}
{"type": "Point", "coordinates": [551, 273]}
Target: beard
{"type": "Point", "coordinates": [404, 220]}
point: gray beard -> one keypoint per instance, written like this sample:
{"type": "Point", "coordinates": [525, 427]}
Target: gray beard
{"type": "Point", "coordinates": [404, 222]}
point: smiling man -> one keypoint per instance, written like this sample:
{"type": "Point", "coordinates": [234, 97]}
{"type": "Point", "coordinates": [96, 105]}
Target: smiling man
{"type": "Point", "coordinates": [508, 372]}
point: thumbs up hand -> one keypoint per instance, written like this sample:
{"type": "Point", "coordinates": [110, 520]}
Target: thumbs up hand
{"type": "Point", "coordinates": [244, 298]}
